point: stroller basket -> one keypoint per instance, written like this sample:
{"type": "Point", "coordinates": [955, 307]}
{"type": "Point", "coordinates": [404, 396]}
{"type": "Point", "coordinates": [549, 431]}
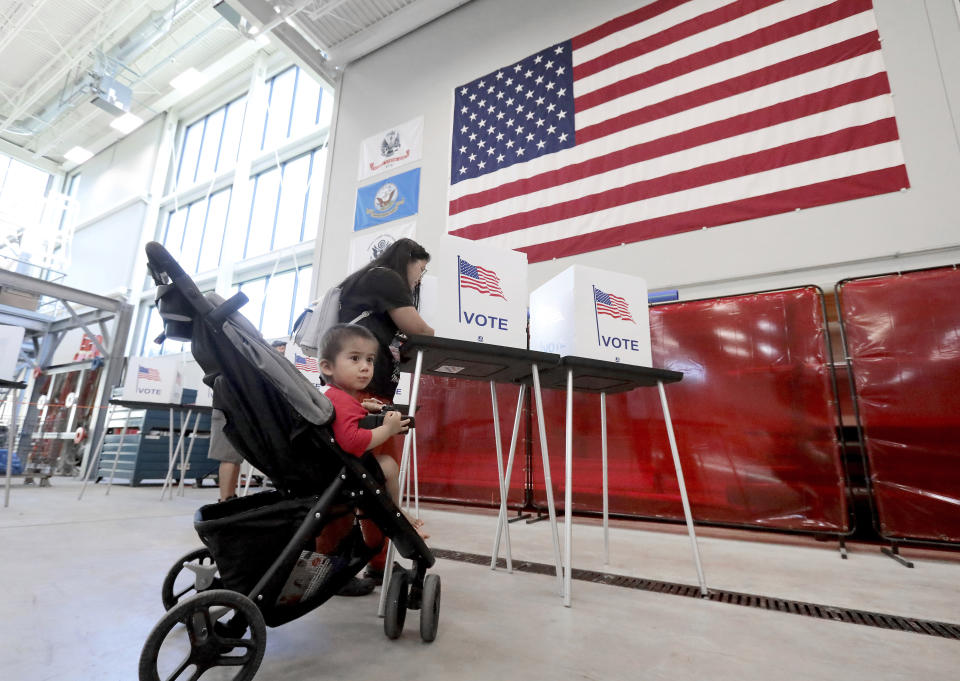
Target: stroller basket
{"type": "Point", "coordinates": [246, 535]}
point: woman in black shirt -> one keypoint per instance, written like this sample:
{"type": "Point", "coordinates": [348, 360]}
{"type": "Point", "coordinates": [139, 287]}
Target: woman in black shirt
{"type": "Point", "coordinates": [389, 290]}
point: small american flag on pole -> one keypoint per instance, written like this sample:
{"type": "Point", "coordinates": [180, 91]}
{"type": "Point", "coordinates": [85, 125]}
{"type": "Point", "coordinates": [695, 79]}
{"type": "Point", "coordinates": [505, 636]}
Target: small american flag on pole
{"type": "Point", "coordinates": [611, 305]}
{"type": "Point", "coordinates": [679, 115]}
{"type": "Point", "coordinates": [480, 279]}
{"type": "Point", "coordinates": [308, 364]}
{"type": "Point", "coordinates": [147, 373]}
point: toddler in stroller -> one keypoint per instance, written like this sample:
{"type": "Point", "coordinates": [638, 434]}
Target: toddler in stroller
{"type": "Point", "coordinates": [259, 566]}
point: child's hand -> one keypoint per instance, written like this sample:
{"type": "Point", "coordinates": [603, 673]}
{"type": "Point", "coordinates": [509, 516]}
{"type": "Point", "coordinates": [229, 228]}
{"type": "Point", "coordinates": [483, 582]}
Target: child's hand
{"type": "Point", "coordinates": [372, 405]}
{"type": "Point", "coordinates": [395, 422]}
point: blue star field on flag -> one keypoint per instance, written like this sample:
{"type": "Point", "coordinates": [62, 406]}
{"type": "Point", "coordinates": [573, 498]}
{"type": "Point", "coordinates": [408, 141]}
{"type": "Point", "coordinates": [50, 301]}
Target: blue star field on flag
{"type": "Point", "coordinates": [514, 114]}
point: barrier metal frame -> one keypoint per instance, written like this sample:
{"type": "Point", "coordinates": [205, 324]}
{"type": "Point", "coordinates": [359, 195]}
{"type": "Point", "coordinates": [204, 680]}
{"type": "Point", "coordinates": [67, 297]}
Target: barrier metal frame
{"type": "Point", "coordinates": [895, 541]}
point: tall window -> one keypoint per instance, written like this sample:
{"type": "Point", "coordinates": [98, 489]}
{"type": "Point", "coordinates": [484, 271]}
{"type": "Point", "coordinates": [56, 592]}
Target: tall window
{"type": "Point", "coordinates": [295, 105]}
{"type": "Point", "coordinates": [281, 198]}
{"type": "Point", "coordinates": [211, 144]}
{"type": "Point", "coordinates": [194, 233]}
{"type": "Point", "coordinates": [211, 231]}
{"type": "Point", "coordinates": [288, 294]}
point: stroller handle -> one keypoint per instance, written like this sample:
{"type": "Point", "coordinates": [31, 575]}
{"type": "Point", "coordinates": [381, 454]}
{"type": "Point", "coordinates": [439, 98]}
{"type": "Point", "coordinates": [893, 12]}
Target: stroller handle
{"type": "Point", "coordinates": [162, 261]}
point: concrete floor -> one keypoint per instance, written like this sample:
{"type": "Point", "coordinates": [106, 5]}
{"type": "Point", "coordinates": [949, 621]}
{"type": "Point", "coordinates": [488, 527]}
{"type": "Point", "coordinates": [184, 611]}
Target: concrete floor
{"type": "Point", "coordinates": [81, 590]}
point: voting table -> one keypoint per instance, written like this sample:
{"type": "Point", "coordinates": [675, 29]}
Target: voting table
{"type": "Point", "coordinates": [539, 370]}
{"type": "Point", "coordinates": [178, 455]}
{"type": "Point", "coordinates": [581, 374]}
{"type": "Point", "coordinates": [473, 361]}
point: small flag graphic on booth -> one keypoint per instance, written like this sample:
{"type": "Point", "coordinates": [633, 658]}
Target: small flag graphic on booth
{"type": "Point", "coordinates": [308, 364]}
{"type": "Point", "coordinates": [147, 374]}
{"type": "Point", "coordinates": [611, 305]}
{"type": "Point", "coordinates": [480, 279]}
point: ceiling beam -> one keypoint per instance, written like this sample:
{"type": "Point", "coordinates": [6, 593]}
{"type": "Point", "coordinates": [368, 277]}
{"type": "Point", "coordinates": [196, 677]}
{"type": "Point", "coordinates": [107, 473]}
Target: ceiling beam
{"type": "Point", "coordinates": [392, 27]}
{"type": "Point", "coordinates": [19, 23]}
{"type": "Point", "coordinates": [22, 154]}
{"type": "Point", "coordinates": [77, 50]}
{"type": "Point", "coordinates": [221, 67]}
{"type": "Point", "coordinates": [260, 13]}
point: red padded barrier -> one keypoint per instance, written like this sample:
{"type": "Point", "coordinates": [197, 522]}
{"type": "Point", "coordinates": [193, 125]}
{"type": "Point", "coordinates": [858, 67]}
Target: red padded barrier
{"type": "Point", "coordinates": [903, 340]}
{"type": "Point", "coordinates": [457, 451]}
{"type": "Point", "coordinates": [754, 419]}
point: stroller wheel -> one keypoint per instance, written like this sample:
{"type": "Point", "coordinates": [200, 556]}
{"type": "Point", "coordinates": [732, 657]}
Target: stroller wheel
{"type": "Point", "coordinates": [395, 609]}
{"type": "Point", "coordinates": [193, 572]}
{"type": "Point", "coordinates": [430, 608]}
{"type": "Point", "coordinates": [221, 629]}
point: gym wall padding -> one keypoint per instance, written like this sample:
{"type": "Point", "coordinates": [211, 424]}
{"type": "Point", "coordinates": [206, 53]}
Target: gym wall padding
{"type": "Point", "coordinates": [902, 335]}
{"type": "Point", "coordinates": [755, 421]}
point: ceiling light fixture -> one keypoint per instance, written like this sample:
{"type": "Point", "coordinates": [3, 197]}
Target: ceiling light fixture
{"type": "Point", "coordinates": [188, 81]}
{"type": "Point", "coordinates": [78, 155]}
{"type": "Point", "coordinates": [126, 123]}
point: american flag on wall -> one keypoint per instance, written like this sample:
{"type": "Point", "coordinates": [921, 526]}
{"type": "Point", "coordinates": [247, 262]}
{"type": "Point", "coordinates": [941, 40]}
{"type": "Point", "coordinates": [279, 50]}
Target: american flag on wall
{"type": "Point", "coordinates": [609, 304]}
{"type": "Point", "coordinates": [308, 364]}
{"type": "Point", "coordinates": [147, 373]}
{"type": "Point", "coordinates": [480, 279]}
{"type": "Point", "coordinates": [680, 115]}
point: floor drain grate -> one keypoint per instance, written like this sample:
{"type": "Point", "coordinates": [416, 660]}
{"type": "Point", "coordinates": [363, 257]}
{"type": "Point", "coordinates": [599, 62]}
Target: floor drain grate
{"type": "Point", "coordinates": [824, 612]}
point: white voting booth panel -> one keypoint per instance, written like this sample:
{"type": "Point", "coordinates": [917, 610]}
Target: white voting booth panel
{"type": "Point", "coordinates": [309, 366]}
{"type": "Point", "coordinates": [588, 312]}
{"type": "Point", "coordinates": [11, 338]}
{"type": "Point", "coordinates": [475, 292]}
{"type": "Point", "coordinates": [193, 380]}
{"type": "Point", "coordinates": [154, 379]}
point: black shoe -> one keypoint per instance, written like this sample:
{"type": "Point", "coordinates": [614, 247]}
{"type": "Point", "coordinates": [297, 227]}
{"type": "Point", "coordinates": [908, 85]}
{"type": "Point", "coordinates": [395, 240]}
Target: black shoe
{"type": "Point", "coordinates": [357, 587]}
{"type": "Point", "coordinates": [374, 574]}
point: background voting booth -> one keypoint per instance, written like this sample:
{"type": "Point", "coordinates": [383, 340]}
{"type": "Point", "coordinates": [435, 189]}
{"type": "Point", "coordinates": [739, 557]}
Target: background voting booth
{"type": "Point", "coordinates": [598, 322]}
{"type": "Point", "coordinates": [170, 382]}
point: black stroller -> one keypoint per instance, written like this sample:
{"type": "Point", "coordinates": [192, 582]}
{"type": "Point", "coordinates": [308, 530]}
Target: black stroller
{"type": "Point", "coordinates": [259, 566]}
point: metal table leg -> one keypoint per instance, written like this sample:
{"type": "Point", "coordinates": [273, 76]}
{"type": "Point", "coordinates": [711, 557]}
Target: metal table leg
{"type": "Point", "coordinates": [606, 487]}
{"type": "Point", "coordinates": [174, 453]}
{"type": "Point", "coordinates": [404, 461]}
{"type": "Point", "coordinates": [683, 490]}
{"type": "Point", "coordinates": [503, 492]}
{"type": "Point", "coordinates": [116, 458]}
{"type": "Point", "coordinates": [568, 495]}
{"type": "Point", "coordinates": [503, 525]}
{"type": "Point", "coordinates": [93, 458]}
{"type": "Point", "coordinates": [185, 459]}
{"type": "Point", "coordinates": [416, 480]}
{"type": "Point", "coordinates": [547, 481]}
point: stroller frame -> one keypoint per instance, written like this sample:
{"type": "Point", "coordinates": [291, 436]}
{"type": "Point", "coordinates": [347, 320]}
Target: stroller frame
{"type": "Point", "coordinates": [288, 438]}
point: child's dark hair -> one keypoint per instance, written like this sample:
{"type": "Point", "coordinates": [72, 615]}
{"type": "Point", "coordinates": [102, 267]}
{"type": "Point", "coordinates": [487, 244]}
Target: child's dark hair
{"type": "Point", "coordinates": [338, 334]}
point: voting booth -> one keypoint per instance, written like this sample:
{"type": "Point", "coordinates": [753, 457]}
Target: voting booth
{"type": "Point", "coordinates": [588, 312]}
{"type": "Point", "coordinates": [475, 292]}
{"type": "Point", "coordinates": [154, 379]}
{"type": "Point", "coordinates": [192, 375]}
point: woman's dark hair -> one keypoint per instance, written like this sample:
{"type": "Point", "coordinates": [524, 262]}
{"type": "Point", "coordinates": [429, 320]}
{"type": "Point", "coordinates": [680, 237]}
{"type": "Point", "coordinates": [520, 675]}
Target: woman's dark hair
{"type": "Point", "coordinates": [396, 257]}
{"type": "Point", "coordinates": [332, 342]}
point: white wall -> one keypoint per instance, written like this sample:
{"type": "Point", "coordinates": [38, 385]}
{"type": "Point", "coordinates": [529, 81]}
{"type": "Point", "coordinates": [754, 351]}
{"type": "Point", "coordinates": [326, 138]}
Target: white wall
{"type": "Point", "coordinates": [917, 227]}
{"type": "Point", "coordinates": [111, 207]}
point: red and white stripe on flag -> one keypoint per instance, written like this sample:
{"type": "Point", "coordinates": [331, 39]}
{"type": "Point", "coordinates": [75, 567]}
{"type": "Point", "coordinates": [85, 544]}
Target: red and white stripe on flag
{"type": "Point", "coordinates": [688, 114]}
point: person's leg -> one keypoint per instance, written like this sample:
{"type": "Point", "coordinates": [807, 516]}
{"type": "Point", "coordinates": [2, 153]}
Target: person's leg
{"type": "Point", "coordinates": [229, 475]}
